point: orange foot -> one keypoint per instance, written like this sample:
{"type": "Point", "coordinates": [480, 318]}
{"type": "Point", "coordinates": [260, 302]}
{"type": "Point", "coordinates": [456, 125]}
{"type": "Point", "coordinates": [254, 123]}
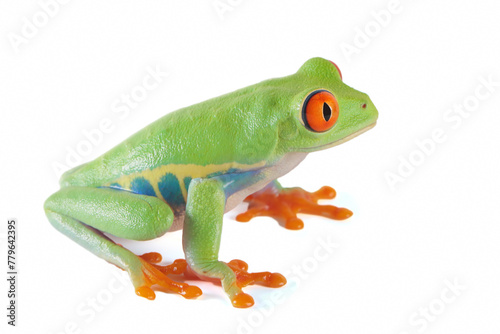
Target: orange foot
{"type": "Point", "coordinates": [239, 267]}
{"type": "Point", "coordinates": [264, 278]}
{"type": "Point", "coordinates": [244, 278]}
{"type": "Point", "coordinates": [155, 274]}
{"type": "Point", "coordinates": [283, 204]}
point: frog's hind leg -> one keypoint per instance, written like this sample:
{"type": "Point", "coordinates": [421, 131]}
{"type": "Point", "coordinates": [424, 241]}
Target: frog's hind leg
{"type": "Point", "coordinates": [82, 212]}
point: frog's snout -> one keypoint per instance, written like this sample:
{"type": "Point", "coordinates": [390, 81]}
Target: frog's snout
{"type": "Point", "coordinates": [368, 108]}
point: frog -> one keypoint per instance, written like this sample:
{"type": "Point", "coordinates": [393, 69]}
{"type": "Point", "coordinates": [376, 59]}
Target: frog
{"type": "Point", "coordinates": [191, 166]}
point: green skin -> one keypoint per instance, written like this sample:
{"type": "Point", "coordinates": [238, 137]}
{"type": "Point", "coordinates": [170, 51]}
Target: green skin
{"type": "Point", "coordinates": [220, 151]}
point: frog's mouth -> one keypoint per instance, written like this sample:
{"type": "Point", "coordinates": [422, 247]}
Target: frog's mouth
{"type": "Point", "coordinates": [340, 141]}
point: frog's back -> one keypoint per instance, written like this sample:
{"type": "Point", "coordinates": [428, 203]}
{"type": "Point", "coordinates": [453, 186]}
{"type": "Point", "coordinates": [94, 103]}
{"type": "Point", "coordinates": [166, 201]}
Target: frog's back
{"type": "Point", "coordinates": [188, 143]}
{"type": "Point", "coordinates": [126, 158]}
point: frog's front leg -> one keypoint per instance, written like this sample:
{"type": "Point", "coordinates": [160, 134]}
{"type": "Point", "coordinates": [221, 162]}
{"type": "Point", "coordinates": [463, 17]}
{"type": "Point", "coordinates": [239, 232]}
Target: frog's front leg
{"type": "Point", "coordinates": [283, 204]}
{"type": "Point", "coordinates": [83, 213]}
{"type": "Point", "coordinates": [201, 240]}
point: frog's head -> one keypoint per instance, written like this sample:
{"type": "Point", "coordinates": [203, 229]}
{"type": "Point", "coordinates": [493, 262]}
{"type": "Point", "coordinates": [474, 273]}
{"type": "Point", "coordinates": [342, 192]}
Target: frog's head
{"type": "Point", "coordinates": [324, 111]}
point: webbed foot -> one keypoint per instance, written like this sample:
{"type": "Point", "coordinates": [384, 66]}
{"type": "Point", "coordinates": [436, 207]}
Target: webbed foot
{"type": "Point", "coordinates": [264, 278]}
{"type": "Point", "coordinates": [241, 299]}
{"type": "Point", "coordinates": [154, 274]}
{"type": "Point", "coordinates": [283, 204]}
{"type": "Point", "coordinates": [242, 278]}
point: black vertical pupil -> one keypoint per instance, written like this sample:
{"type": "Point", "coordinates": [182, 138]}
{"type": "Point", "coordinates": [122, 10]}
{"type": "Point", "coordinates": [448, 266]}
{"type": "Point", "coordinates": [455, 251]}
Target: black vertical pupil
{"type": "Point", "coordinates": [327, 111]}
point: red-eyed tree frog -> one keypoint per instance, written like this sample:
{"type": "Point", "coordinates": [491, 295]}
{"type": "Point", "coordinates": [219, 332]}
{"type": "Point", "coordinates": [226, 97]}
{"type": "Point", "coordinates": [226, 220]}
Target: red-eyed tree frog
{"type": "Point", "coordinates": [188, 168]}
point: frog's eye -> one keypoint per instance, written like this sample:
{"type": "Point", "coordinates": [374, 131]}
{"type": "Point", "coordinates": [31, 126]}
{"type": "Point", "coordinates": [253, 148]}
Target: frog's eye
{"type": "Point", "coordinates": [338, 69]}
{"type": "Point", "coordinates": [320, 111]}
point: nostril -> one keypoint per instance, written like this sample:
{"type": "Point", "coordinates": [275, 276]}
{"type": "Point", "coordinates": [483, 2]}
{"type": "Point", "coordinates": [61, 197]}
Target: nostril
{"type": "Point", "coordinates": [363, 106]}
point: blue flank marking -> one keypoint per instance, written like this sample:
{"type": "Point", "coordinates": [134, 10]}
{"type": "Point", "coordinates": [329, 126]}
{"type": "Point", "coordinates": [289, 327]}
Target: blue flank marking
{"type": "Point", "coordinates": [171, 190]}
{"type": "Point", "coordinates": [187, 181]}
{"type": "Point", "coordinates": [142, 186]}
{"type": "Point", "coordinates": [219, 173]}
{"type": "Point", "coordinates": [233, 179]}
{"type": "Point", "coordinates": [236, 181]}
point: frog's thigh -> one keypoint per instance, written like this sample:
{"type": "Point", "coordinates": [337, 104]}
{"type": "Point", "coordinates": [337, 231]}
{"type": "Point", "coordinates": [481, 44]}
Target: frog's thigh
{"type": "Point", "coordinates": [120, 213]}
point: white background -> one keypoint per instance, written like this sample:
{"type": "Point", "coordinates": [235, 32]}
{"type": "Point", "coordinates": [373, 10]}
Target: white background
{"type": "Point", "coordinates": [395, 256]}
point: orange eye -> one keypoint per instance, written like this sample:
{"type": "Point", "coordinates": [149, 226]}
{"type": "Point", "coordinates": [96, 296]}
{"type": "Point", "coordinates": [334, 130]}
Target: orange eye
{"type": "Point", "coordinates": [320, 111]}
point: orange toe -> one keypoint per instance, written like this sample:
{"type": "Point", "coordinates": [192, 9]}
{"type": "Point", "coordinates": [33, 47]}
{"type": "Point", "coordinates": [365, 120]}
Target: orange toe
{"type": "Point", "coordinates": [239, 264]}
{"type": "Point", "coordinates": [146, 292]}
{"type": "Point", "coordinates": [242, 300]}
{"type": "Point", "coordinates": [191, 292]}
{"type": "Point", "coordinates": [294, 223]}
{"type": "Point", "coordinates": [275, 280]}
{"type": "Point", "coordinates": [343, 213]}
{"type": "Point", "coordinates": [152, 257]}
{"type": "Point", "coordinates": [324, 193]}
